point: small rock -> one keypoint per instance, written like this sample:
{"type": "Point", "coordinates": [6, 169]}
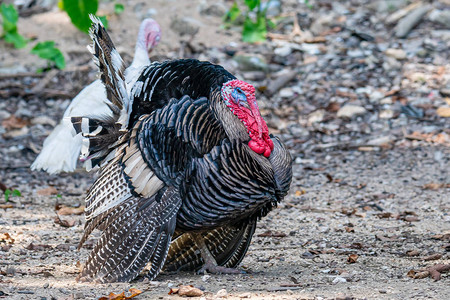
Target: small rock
{"type": "Point", "coordinates": [286, 92]}
{"type": "Point", "coordinates": [387, 100]}
{"type": "Point", "coordinates": [79, 295]}
{"type": "Point", "coordinates": [254, 75]}
{"type": "Point", "coordinates": [316, 116]}
{"type": "Point", "coordinates": [322, 23]}
{"type": "Point", "coordinates": [399, 54]}
{"type": "Point", "coordinates": [441, 17]}
{"type": "Point", "coordinates": [205, 277]}
{"type": "Point", "coordinates": [283, 51]}
{"type": "Point", "coordinates": [4, 115]}
{"type": "Point", "coordinates": [46, 285]}
{"type": "Point", "coordinates": [251, 62]}
{"type": "Point", "coordinates": [222, 293]}
{"type": "Point", "coordinates": [311, 49]}
{"type": "Point", "coordinates": [185, 26]}
{"type": "Point", "coordinates": [382, 291]}
{"type": "Point", "coordinates": [350, 110]}
{"type": "Point", "coordinates": [375, 96]}
{"type": "Point", "coordinates": [381, 141]}
{"type": "Point", "coordinates": [339, 279]}
{"type": "Point", "coordinates": [441, 34]}
{"type": "Point", "coordinates": [391, 63]}
{"type": "Point", "coordinates": [215, 9]}
{"type": "Point", "coordinates": [273, 8]}
{"type": "Point", "coordinates": [43, 120]}
{"type": "Point", "coordinates": [355, 53]}
{"type": "Point", "coordinates": [443, 92]}
{"type": "Point", "coordinates": [245, 295]}
{"type": "Point", "coordinates": [386, 114]}
{"type": "Point", "coordinates": [406, 24]}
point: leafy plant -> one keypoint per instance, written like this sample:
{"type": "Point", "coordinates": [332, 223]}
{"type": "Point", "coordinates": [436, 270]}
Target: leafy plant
{"type": "Point", "coordinates": [255, 24]}
{"type": "Point", "coordinates": [118, 8]}
{"type": "Point", "coordinates": [9, 193]}
{"type": "Point", "coordinates": [10, 34]}
{"type": "Point", "coordinates": [79, 10]}
{"type": "Point", "coordinates": [47, 50]}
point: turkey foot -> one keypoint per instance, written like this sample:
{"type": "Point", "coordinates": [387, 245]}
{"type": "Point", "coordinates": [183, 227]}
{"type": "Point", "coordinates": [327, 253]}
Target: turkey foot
{"type": "Point", "coordinates": [210, 265]}
{"type": "Point", "coordinates": [215, 269]}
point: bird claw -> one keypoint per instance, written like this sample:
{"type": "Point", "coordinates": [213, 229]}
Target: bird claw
{"type": "Point", "coordinates": [210, 268]}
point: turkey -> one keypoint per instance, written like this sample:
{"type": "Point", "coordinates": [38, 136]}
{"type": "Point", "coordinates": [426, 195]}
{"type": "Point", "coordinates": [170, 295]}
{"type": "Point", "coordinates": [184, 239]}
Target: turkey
{"type": "Point", "coordinates": [61, 149]}
{"type": "Point", "coordinates": [187, 169]}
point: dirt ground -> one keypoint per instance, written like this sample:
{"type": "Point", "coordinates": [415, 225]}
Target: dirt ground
{"type": "Point", "coordinates": [360, 215]}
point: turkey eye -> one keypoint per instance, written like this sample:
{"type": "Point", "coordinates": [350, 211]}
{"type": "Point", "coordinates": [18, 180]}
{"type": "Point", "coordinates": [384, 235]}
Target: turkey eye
{"type": "Point", "coordinates": [239, 96]}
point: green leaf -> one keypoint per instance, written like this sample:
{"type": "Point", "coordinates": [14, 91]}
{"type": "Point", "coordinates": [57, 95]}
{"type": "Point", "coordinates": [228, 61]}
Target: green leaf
{"type": "Point", "coordinates": [10, 17]}
{"type": "Point", "coordinates": [251, 4]}
{"type": "Point", "coordinates": [14, 38]}
{"type": "Point", "coordinates": [104, 21]}
{"type": "Point", "coordinates": [254, 32]}
{"type": "Point", "coordinates": [233, 13]}
{"type": "Point", "coordinates": [271, 24]}
{"type": "Point", "coordinates": [16, 193]}
{"type": "Point", "coordinates": [118, 8]}
{"type": "Point", "coordinates": [47, 50]}
{"type": "Point", "coordinates": [8, 193]}
{"type": "Point", "coordinates": [79, 10]}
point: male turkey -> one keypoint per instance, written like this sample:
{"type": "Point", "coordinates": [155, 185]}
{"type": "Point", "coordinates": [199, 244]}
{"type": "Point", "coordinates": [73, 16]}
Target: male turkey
{"type": "Point", "coordinates": [61, 149]}
{"type": "Point", "coordinates": [187, 157]}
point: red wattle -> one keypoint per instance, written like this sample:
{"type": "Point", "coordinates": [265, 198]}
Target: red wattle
{"type": "Point", "coordinates": [255, 146]}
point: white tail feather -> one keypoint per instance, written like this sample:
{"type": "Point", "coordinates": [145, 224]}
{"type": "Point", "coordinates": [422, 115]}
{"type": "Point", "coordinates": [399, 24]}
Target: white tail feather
{"type": "Point", "coordinates": [60, 151]}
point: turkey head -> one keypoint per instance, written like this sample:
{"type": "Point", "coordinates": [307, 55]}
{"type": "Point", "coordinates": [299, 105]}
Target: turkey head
{"type": "Point", "coordinates": [239, 97]}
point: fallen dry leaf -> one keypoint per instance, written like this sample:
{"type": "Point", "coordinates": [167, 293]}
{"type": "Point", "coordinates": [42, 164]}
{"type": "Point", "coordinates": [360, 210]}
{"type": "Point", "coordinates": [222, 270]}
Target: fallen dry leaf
{"type": "Point", "coordinates": [443, 112]}
{"type": "Point", "coordinates": [299, 193]}
{"type": "Point", "coordinates": [433, 271]}
{"type": "Point", "coordinates": [433, 257]}
{"type": "Point", "coordinates": [38, 247]}
{"type": "Point", "coordinates": [387, 238]}
{"type": "Point", "coordinates": [445, 236]}
{"type": "Point", "coordinates": [433, 186]}
{"type": "Point", "coordinates": [6, 238]}
{"type": "Point", "coordinates": [64, 223]}
{"type": "Point", "coordinates": [349, 229]}
{"type": "Point", "coordinates": [352, 258]}
{"type": "Point", "coordinates": [5, 206]}
{"type": "Point", "coordinates": [186, 290]}
{"type": "Point", "coordinates": [14, 122]}
{"type": "Point", "coordinates": [270, 233]}
{"type": "Point", "coordinates": [121, 296]}
{"type": "Point", "coordinates": [63, 210]}
{"type": "Point", "coordinates": [413, 253]}
{"type": "Point", "coordinates": [384, 215]}
{"type": "Point", "coordinates": [47, 191]}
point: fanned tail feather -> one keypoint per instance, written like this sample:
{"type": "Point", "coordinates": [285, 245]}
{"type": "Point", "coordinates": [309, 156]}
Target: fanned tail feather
{"type": "Point", "coordinates": [99, 137]}
{"type": "Point", "coordinates": [136, 235]}
{"type": "Point", "coordinates": [60, 151]}
{"type": "Point", "coordinates": [101, 133]}
{"type": "Point", "coordinates": [111, 68]}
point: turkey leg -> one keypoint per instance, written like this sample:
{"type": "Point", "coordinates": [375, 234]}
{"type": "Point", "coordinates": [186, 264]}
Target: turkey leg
{"type": "Point", "coordinates": [210, 265]}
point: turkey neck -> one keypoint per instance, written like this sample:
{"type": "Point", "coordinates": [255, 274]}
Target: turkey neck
{"type": "Point", "coordinates": [233, 127]}
{"type": "Point", "coordinates": [140, 53]}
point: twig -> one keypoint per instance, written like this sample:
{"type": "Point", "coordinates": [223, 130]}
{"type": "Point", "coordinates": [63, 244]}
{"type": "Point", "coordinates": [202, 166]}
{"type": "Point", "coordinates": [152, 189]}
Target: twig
{"type": "Point", "coordinates": [280, 82]}
{"type": "Point", "coordinates": [21, 75]}
{"type": "Point", "coordinates": [43, 83]}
